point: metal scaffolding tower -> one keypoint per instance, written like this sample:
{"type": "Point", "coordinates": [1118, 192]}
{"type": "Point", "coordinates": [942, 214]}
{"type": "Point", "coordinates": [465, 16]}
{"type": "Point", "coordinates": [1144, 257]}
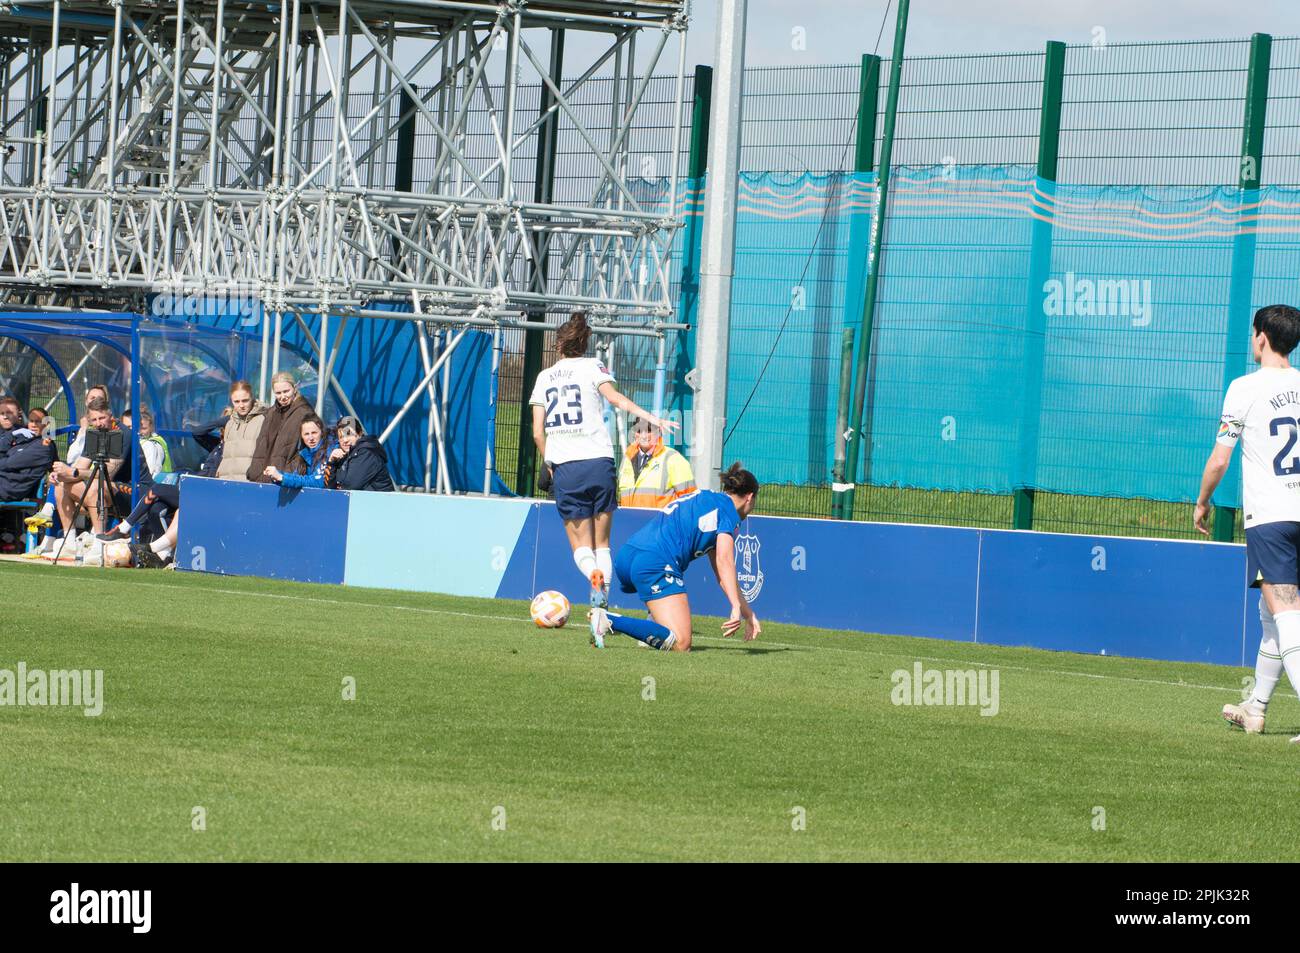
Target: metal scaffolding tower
{"type": "Point", "coordinates": [216, 148]}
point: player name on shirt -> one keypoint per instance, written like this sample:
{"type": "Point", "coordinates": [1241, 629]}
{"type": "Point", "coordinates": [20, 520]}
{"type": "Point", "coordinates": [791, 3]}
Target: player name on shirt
{"type": "Point", "coordinates": [573, 410]}
{"type": "Point", "coordinates": [1284, 398]}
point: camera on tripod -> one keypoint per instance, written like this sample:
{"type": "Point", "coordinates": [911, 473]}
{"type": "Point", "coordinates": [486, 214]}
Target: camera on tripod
{"type": "Point", "coordinates": [105, 445]}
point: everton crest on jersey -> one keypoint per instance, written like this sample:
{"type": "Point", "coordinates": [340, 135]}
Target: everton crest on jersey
{"type": "Point", "coordinates": [748, 571]}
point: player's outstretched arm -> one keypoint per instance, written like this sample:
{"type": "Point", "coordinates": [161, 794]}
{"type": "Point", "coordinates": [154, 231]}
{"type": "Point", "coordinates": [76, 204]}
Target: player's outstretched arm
{"type": "Point", "coordinates": [611, 394]}
{"type": "Point", "coordinates": [723, 558]}
{"type": "Point", "coordinates": [1215, 468]}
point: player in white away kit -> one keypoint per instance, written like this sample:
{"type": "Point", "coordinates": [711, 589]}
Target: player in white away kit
{"type": "Point", "coordinates": [569, 430]}
{"type": "Point", "coordinates": [1262, 411]}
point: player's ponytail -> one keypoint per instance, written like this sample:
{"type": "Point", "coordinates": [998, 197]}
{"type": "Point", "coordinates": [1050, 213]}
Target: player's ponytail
{"type": "Point", "coordinates": [572, 337]}
{"type": "Point", "coordinates": [738, 481]}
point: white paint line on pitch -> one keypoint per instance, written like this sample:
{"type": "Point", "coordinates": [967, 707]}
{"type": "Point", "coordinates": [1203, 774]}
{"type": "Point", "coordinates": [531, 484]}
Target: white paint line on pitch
{"type": "Point", "coordinates": [705, 638]}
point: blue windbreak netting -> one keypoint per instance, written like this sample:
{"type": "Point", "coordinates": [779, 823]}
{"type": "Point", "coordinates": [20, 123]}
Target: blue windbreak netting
{"type": "Point", "coordinates": [788, 309]}
{"type": "Point", "coordinates": [1097, 371]}
{"type": "Point", "coordinates": [945, 405]}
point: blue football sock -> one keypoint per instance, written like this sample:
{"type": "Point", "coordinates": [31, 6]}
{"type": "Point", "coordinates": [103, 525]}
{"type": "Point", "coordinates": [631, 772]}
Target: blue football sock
{"type": "Point", "coordinates": [643, 630]}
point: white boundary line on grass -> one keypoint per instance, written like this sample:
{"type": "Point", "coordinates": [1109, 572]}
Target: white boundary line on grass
{"type": "Point", "coordinates": [788, 645]}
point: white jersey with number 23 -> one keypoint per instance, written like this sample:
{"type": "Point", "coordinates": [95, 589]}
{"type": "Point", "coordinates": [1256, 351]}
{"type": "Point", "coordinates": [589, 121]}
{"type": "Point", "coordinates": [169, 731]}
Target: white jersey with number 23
{"type": "Point", "coordinates": [573, 410]}
{"type": "Point", "coordinates": [1262, 410]}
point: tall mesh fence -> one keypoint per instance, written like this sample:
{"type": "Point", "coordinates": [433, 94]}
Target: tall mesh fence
{"type": "Point", "coordinates": [1101, 387]}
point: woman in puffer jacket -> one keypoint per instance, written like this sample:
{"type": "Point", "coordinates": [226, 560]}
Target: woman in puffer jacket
{"type": "Point", "coordinates": [359, 463]}
{"type": "Point", "coordinates": [240, 433]}
{"type": "Point", "coordinates": [314, 449]}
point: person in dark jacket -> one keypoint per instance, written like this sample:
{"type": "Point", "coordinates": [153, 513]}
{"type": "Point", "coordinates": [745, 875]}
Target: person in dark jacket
{"type": "Point", "coordinates": [277, 444]}
{"type": "Point", "coordinates": [208, 437]}
{"type": "Point", "coordinates": [359, 463]}
{"type": "Point", "coordinates": [23, 466]}
{"type": "Point", "coordinates": [11, 422]}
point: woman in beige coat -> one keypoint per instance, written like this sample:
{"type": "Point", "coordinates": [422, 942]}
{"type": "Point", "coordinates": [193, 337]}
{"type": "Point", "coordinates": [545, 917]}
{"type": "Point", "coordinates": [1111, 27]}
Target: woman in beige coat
{"type": "Point", "coordinates": [240, 435]}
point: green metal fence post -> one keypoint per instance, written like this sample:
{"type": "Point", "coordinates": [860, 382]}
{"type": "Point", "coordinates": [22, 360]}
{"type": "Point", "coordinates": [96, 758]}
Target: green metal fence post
{"type": "Point", "coordinates": [535, 338]}
{"type": "Point", "coordinates": [1040, 267]}
{"type": "Point", "coordinates": [701, 112]}
{"type": "Point", "coordinates": [842, 420]}
{"type": "Point", "coordinates": [873, 263]}
{"type": "Point", "coordinates": [688, 303]}
{"type": "Point", "coordinates": [1243, 247]}
{"type": "Point", "coordinates": [864, 160]}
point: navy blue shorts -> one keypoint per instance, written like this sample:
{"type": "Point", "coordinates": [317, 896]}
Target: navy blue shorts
{"type": "Point", "coordinates": [1273, 554]}
{"type": "Point", "coordinates": [585, 488]}
{"type": "Point", "coordinates": [650, 575]}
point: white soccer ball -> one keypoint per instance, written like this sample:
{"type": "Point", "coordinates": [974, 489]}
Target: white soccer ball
{"type": "Point", "coordinates": [550, 609]}
{"type": "Point", "coordinates": [117, 555]}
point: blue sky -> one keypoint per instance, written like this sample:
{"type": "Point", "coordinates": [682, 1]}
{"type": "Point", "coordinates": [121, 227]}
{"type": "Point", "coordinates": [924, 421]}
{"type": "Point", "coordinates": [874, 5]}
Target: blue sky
{"type": "Point", "coordinates": [838, 31]}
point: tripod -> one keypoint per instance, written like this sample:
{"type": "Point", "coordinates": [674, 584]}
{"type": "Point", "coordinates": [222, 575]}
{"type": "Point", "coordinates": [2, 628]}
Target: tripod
{"type": "Point", "coordinates": [98, 479]}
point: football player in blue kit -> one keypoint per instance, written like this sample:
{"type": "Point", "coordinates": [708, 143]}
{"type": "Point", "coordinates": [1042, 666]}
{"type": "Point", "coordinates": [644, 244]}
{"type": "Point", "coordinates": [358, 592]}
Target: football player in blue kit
{"type": "Point", "coordinates": [653, 564]}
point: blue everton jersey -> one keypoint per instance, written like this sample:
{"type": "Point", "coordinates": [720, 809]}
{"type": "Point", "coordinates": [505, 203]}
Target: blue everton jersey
{"type": "Point", "coordinates": [688, 528]}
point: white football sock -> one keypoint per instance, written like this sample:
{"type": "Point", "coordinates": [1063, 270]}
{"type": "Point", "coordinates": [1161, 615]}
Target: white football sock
{"type": "Point", "coordinates": [605, 563]}
{"type": "Point", "coordinates": [586, 561]}
{"type": "Point", "coordinates": [1268, 663]}
{"type": "Point", "coordinates": [160, 548]}
{"type": "Point", "coordinates": [124, 526]}
{"type": "Point", "coordinates": [1288, 640]}
{"type": "Point", "coordinates": [48, 510]}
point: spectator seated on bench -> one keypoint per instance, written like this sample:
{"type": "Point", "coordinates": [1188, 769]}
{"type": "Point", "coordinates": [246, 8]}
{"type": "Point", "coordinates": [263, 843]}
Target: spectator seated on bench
{"type": "Point", "coordinates": [23, 468]}
{"type": "Point", "coordinates": [25, 460]}
{"type": "Point", "coordinates": [11, 419]}
{"type": "Point", "coordinates": [71, 488]}
{"type": "Point", "coordinates": [46, 518]}
{"type": "Point", "coordinates": [153, 447]}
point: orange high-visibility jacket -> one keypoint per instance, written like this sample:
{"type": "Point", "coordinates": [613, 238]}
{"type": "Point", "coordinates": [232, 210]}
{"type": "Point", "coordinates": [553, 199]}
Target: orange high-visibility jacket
{"type": "Point", "coordinates": [665, 477]}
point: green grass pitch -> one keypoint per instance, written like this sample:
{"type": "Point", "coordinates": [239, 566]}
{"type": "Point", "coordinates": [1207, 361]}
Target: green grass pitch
{"type": "Point", "coordinates": [476, 736]}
